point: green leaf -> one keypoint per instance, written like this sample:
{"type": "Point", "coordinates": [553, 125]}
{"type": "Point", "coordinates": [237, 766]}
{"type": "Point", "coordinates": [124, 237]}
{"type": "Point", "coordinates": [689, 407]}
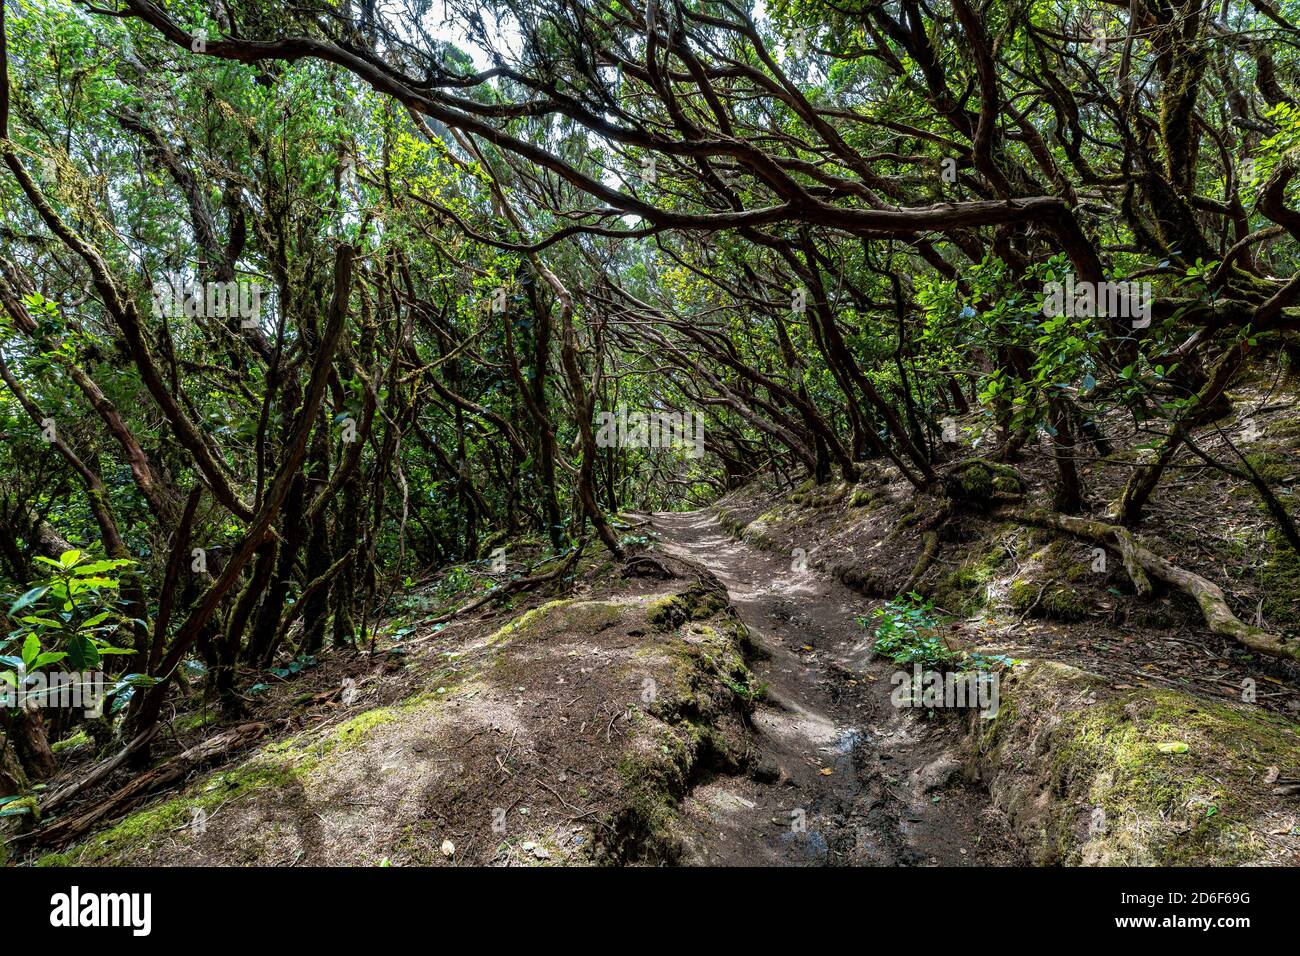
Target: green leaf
{"type": "Point", "coordinates": [28, 599]}
{"type": "Point", "coordinates": [1173, 747]}
{"type": "Point", "coordinates": [82, 653]}
{"type": "Point", "coordinates": [94, 567]}
{"type": "Point", "coordinates": [133, 680]}
{"type": "Point", "coordinates": [82, 584]}
{"type": "Point", "coordinates": [42, 621]}
{"type": "Point", "coordinates": [31, 650]}
{"type": "Point", "coordinates": [68, 558]}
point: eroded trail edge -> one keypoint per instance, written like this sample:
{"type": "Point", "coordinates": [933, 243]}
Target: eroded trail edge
{"type": "Point", "coordinates": [842, 776]}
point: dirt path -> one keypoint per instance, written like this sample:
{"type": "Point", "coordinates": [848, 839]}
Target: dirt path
{"type": "Point", "coordinates": [844, 777]}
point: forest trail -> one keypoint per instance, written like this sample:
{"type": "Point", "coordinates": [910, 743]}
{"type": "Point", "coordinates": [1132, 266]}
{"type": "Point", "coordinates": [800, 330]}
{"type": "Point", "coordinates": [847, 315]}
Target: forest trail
{"type": "Point", "coordinates": [894, 793]}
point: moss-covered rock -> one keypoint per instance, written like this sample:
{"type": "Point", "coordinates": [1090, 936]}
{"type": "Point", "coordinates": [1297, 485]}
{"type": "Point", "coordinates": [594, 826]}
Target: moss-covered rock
{"type": "Point", "coordinates": [977, 483]}
{"type": "Point", "coordinates": [1053, 585]}
{"type": "Point", "coordinates": [695, 604]}
{"type": "Point", "coordinates": [860, 496]}
{"type": "Point", "coordinates": [965, 589]}
{"type": "Point", "coordinates": [1089, 775]}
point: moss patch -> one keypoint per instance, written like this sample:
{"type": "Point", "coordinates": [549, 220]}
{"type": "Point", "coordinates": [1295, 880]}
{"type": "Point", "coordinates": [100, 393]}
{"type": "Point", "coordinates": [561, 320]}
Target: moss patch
{"type": "Point", "coordinates": [696, 604]}
{"type": "Point", "coordinates": [1273, 468]}
{"type": "Point", "coordinates": [138, 831]}
{"type": "Point", "coordinates": [1280, 585]}
{"type": "Point", "coordinates": [1139, 778]}
{"type": "Point", "coordinates": [860, 497]}
{"type": "Point", "coordinates": [280, 766]}
{"type": "Point", "coordinates": [964, 590]}
{"type": "Point", "coordinates": [1052, 586]}
{"type": "Point", "coordinates": [79, 739]}
{"type": "Point", "coordinates": [523, 622]}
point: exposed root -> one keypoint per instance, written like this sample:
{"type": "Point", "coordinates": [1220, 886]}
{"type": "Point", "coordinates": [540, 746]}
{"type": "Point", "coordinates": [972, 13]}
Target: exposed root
{"type": "Point", "coordinates": [930, 545]}
{"type": "Point", "coordinates": [1143, 564]}
{"type": "Point", "coordinates": [514, 587]}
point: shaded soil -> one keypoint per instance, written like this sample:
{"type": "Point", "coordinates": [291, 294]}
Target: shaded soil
{"type": "Point", "coordinates": [842, 776]}
{"type": "Point", "coordinates": [560, 731]}
{"type": "Point", "coordinates": [1026, 593]}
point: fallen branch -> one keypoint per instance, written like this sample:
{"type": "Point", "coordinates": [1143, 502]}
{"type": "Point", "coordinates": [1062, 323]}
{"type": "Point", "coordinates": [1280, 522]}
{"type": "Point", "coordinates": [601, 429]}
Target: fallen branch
{"type": "Point", "coordinates": [1143, 564]}
{"type": "Point", "coordinates": [513, 587]}
{"type": "Point", "coordinates": [307, 593]}
{"type": "Point", "coordinates": [134, 793]}
{"type": "Point", "coordinates": [64, 794]}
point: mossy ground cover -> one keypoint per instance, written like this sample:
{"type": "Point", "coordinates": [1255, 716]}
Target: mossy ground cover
{"type": "Point", "coordinates": [1138, 777]}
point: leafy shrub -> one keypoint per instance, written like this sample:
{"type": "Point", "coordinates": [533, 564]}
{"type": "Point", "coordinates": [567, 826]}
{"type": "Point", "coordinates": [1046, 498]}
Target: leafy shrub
{"type": "Point", "coordinates": [67, 619]}
{"type": "Point", "coordinates": [907, 632]}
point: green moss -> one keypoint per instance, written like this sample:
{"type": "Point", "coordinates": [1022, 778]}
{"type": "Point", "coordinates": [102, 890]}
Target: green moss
{"type": "Point", "coordinates": [701, 678]}
{"type": "Point", "coordinates": [979, 481]}
{"type": "Point", "coordinates": [79, 739]}
{"type": "Point", "coordinates": [195, 720]}
{"type": "Point", "coordinates": [666, 613]}
{"type": "Point", "coordinates": [709, 675]}
{"type": "Point", "coordinates": [1065, 745]}
{"type": "Point", "coordinates": [139, 830]}
{"type": "Point", "coordinates": [909, 515]}
{"type": "Point", "coordinates": [1286, 429]}
{"type": "Point", "coordinates": [1205, 792]}
{"type": "Point", "coordinates": [1048, 589]}
{"type": "Point", "coordinates": [964, 590]}
{"type": "Point", "coordinates": [654, 779]}
{"type": "Point", "coordinates": [1056, 603]}
{"type": "Point", "coordinates": [825, 498]}
{"type": "Point", "coordinates": [1280, 585]}
{"type": "Point", "coordinates": [1005, 485]}
{"type": "Point", "coordinates": [1273, 468]}
{"type": "Point", "coordinates": [279, 766]}
{"type": "Point", "coordinates": [695, 604]}
{"type": "Point", "coordinates": [861, 496]}
{"type": "Point", "coordinates": [526, 620]}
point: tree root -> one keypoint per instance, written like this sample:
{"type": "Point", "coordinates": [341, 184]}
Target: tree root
{"type": "Point", "coordinates": [930, 545]}
{"type": "Point", "coordinates": [1142, 565]}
